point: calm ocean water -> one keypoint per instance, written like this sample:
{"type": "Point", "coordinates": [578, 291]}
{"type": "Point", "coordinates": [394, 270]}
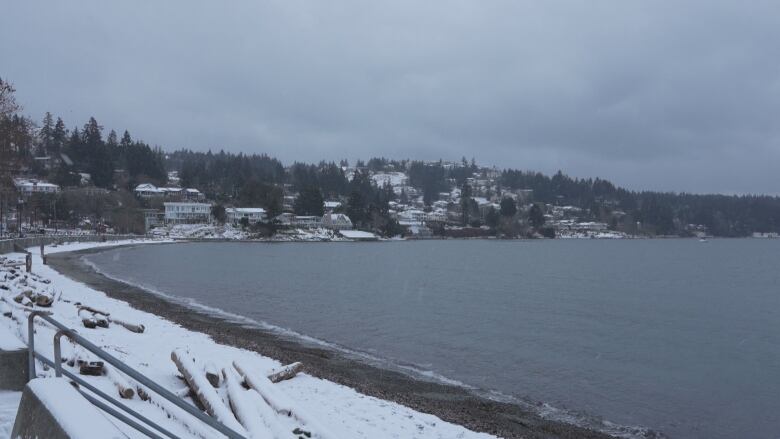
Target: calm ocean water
{"type": "Point", "coordinates": [678, 336]}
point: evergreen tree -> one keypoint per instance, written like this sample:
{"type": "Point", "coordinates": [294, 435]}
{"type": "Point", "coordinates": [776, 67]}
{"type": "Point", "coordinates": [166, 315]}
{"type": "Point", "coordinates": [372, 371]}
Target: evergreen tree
{"type": "Point", "coordinates": [508, 207]}
{"type": "Point", "coordinates": [96, 156]}
{"type": "Point", "coordinates": [309, 202]}
{"type": "Point", "coordinates": [59, 137]}
{"type": "Point", "coordinates": [356, 208]}
{"type": "Point", "coordinates": [465, 202]}
{"type": "Point", "coordinates": [536, 216]}
{"type": "Point", "coordinates": [274, 202]}
{"type": "Point", "coordinates": [46, 135]}
{"type": "Point", "coordinates": [492, 218]}
{"type": "Point", "coordinates": [218, 212]}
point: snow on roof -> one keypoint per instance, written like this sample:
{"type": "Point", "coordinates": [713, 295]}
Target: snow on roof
{"type": "Point", "coordinates": [332, 204]}
{"type": "Point", "coordinates": [392, 178]}
{"type": "Point", "coordinates": [357, 234]}
{"type": "Point", "coordinates": [146, 187]}
{"type": "Point", "coordinates": [246, 209]}
{"type": "Point", "coordinates": [193, 191]}
{"type": "Point", "coordinates": [24, 182]}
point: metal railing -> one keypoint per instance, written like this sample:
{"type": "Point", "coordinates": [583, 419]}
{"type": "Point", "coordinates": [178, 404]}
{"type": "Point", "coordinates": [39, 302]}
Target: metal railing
{"type": "Point", "coordinates": [135, 419]}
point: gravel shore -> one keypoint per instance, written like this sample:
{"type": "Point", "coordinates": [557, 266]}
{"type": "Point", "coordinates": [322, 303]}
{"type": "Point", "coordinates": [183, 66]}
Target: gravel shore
{"type": "Point", "coordinates": [450, 403]}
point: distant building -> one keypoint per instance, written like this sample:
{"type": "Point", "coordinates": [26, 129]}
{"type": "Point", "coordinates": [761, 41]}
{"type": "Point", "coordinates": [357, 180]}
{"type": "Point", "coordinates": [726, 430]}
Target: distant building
{"type": "Point", "coordinates": [330, 206]}
{"type": "Point", "coordinates": [336, 221]}
{"type": "Point", "coordinates": [28, 187]}
{"type": "Point", "coordinates": [307, 222]}
{"type": "Point", "coordinates": [153, 218]}
{"type": "Point", "coordinates": [253, 214]}
{"type": "Point", "coordinates": [148, 190]}
{"type": "Point", "coordinates": [357, 235]}
{"type": "Point", "coordinates": [187, 213]}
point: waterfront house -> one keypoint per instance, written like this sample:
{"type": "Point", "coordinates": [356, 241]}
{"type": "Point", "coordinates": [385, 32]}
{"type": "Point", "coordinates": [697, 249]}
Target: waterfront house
{"type": "Point", "coordinates": [307, 222]}
{"type": "Point", "coordinates": [252, 214]}
{"type": "Point", "coordinates": [28, 187]}
{"type": "Point", "coordinates": [187, 212]}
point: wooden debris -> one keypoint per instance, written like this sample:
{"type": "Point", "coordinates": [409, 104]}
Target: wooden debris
{"type": "Point", "coordinates": [92, 323]}
{"type": "Point", "coordinates": [242, 406]}
{"type": "Point", "coordinates": [92, 310]}
{"type": "Point", "coordinates": [142, 394]}
{"type": "Point", "coordinates": [279, 401]}
{"type": "Point", "coordinates": [196, 379]}
{"type": "Point", "coordinates": [94, 368]}
{"type": "Point", "coordinates": [212, 374]}
{"type": "Point", "coordinates": [285, 372]}
{"type": "Point", "coordinates": [139, 329]}
{"type": "Point", "coordinates": [43, 300]}
{"type": "Point", "coordinates": [124, 388]}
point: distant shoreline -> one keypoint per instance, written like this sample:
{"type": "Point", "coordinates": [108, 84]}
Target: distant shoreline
{"type": "Point", "coordinates": [450, 403]}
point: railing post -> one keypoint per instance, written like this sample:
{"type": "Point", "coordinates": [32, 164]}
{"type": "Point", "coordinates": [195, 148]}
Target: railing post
{"type": "Point", "coordinates": [58, 351]}
{"type": "Point", "coordinates": [31, 345]}
{"type": "Point", "coordinates": [31, 342]}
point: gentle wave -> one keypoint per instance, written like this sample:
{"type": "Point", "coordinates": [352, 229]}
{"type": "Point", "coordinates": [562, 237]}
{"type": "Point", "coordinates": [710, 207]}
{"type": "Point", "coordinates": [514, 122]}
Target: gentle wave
{"type": "Point", "coordinates": [544, 410]}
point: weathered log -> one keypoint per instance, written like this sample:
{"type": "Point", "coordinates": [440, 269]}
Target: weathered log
{"type": "Point", "coordinates": [94, 368]}
{"type": "Point", "coordinates": [129, 326]}
{"type": "Point", "coordinates": [92, 310]}
{"type": "Point", "coordinates": [212, 374]}
{"type": "Point", "coordinates": [195, 378]}
{"type": "Point", "coordinates": [43, 300]}
{"type": "Point", "coordinates": [243, 408]}
{"type": "Point", "coordinates": [142, 394]}
{"type": "Point", "coordinates": [280, 402]}
{"type": "Point", "coordinates": [125, 390]}
{"type": "Point", "coordinates": [285, 372]}
{"type": "Point", "coordinates": [89, 323]}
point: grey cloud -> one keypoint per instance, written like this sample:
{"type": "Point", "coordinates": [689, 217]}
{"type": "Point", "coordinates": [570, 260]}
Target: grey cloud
{"type": "Point", "coordinates": [660, 95]}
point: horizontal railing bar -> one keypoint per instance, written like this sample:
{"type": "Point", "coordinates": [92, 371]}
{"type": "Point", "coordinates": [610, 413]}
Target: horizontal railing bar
{"type": "Point", "coordinates": [165, 393]}
{"type": "Point", "coordinates": [111, 411]}
{"type": "Point", "coordinates": [105, 396]}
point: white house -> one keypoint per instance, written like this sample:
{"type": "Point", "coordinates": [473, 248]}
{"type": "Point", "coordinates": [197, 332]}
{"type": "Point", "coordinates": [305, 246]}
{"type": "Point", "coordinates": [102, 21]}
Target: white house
{"type": "Point", "coordinates": [187, 213]}
{"type": "Point", "coordinates": [412, 215]}
{"type": "Point", "coordinates": [148, 190]}
{"type": "Point", "coordinates": [336, 221]}
{"type": "Point", "coordinates": [31, 186]}
{"type": "Point", "coordinates": [308, 222]}
{"type": "Point", "coordinates": [252, 214]}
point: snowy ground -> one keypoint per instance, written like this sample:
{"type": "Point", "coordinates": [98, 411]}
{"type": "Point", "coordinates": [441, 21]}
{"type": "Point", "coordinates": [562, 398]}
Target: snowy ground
{"type": "Point", "coordinates": [341, 411]}
{"type": "Point", "coordinates": [229, 232]}
{"type": "Point", "coordinates": [9, 401]}
{"type": "Point", "coordinates": [200, 231]}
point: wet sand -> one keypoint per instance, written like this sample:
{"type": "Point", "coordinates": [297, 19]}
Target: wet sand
{"type": "Point", "coordinates": [450, 403]}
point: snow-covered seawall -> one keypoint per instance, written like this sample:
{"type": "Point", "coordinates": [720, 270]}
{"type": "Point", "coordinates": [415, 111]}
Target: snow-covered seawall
{"type": "Point", "coordinates": [347, 413]}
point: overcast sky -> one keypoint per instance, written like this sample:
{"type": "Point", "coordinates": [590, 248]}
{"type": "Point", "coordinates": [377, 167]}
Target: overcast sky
{"type": "Point", "coordinates": [669, 95]}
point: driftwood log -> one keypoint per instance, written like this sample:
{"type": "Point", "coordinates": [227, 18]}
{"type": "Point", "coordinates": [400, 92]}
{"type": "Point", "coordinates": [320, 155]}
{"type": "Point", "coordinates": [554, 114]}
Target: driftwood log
{"type": "Point", "coordinates": [195, 377]}
{"type": "Point", "coordinates": [280, 402]}
{"type": "Point", "coordinates": [212, 374]}
{"type": "Point", "coordinates": [243, 407]}
{"type": "Point", "coordinates": [129, 326]}
{"type": "Point", "coordinates": [285, 372]}
{"type": "Point", "coordinates": [125, 389]}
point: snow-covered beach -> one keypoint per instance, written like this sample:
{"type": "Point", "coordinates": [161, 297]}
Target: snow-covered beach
{"type": "Point", "coordinates": [361, 408]}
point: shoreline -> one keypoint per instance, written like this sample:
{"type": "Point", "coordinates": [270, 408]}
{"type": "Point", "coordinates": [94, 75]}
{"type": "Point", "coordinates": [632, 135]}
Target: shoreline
{"type": "Point", "coordinates": [448, 402]}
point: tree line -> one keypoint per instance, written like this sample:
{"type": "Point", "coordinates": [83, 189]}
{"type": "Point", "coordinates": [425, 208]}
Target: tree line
{"type": "Point", "coordinates": [61, 154]}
